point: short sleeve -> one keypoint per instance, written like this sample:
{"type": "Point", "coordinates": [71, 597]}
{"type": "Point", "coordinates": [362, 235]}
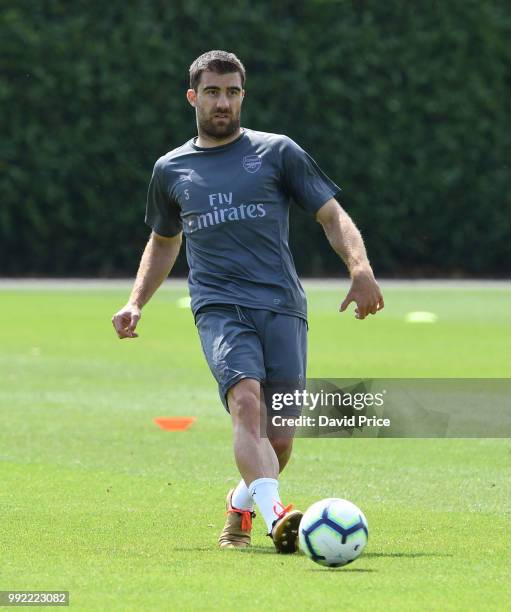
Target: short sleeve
{"type": "Point", "coordinates": [162, 213]}
{"type": "Point", "coordinates": [303, 179]}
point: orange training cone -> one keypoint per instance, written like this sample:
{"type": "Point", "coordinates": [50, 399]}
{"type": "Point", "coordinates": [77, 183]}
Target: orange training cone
{"type": "Point", "coordinates": [174, 423]}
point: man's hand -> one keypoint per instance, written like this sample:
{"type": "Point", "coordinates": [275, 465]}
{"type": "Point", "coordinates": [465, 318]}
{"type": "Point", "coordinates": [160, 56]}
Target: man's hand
{"type": "Point", "coordinates": [125, 321]}
{"type": "Point", "coordinates": [159, 256]}
{"type": "Point", "coordinates": [347, 242]}
{"type": "Point", "coordinates": [365, 292]}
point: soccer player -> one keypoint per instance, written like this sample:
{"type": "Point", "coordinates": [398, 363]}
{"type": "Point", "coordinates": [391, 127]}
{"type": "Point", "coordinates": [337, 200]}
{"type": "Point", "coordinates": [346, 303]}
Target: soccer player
{"type": "Point", "coordinates": [229, 191]}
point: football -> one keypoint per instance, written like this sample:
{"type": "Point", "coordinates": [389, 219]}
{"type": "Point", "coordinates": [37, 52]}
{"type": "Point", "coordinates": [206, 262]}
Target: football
{"type": "Point", "coordinates": [333, 532]}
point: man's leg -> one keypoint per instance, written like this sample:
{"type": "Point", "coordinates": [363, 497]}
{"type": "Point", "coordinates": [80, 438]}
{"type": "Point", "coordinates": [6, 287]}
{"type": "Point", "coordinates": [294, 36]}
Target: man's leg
{"type": "Point", "coordinates": [232, 345]}
{"type": "Point", "coordinates": [255, 456]}
{"type": "Point", "coordinates": [258, 462]}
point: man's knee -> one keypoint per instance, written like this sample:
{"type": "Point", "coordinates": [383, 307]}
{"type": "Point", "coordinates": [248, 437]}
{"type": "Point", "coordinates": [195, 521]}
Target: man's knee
{"type": "Point", "coordinates": [244, 401]}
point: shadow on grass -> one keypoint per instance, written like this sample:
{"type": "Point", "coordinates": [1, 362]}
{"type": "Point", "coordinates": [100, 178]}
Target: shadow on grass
{"type": "Point", "coordinates": [264, 550]}
{"type": "Point", "coordinates": [269, 550]}
{"type": "Point", "coordinates": [344, 569]}
{"type": "Point", "coordinates": [411, 555]}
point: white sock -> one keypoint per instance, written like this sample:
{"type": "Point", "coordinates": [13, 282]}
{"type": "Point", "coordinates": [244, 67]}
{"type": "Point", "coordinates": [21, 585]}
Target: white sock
{"type": "Point", "coordinates": [241, 498]}
{"type": "Point", "coordinates": [265, 493]}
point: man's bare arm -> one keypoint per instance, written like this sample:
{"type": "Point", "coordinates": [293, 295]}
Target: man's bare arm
{"type": "Point", "coordinates": [347, 242]}
{"type": "Point", "coordinates": [156, 263]}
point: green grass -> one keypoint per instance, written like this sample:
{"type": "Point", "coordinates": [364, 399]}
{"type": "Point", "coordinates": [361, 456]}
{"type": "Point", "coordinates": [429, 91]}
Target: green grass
{"type": "Point", "coordinates": [97, 500]}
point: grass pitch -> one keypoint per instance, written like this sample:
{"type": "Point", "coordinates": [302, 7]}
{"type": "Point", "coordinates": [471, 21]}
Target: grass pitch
{"type": "Point", "coordinates": [97, 500]}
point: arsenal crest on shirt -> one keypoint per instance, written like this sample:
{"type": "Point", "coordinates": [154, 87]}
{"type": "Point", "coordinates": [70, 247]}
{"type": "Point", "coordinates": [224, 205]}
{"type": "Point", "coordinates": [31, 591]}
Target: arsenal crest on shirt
{"type": "Point", "coordinates": [252, 163]}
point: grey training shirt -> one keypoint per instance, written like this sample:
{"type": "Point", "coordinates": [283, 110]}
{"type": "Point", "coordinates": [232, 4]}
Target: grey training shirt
{"type": "Point", "coordinates": [232, 203]}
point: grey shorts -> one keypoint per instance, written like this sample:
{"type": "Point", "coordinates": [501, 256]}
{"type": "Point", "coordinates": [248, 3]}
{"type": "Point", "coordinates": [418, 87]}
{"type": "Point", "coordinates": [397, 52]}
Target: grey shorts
{"type": "Point", "coordinates": [241, 342]}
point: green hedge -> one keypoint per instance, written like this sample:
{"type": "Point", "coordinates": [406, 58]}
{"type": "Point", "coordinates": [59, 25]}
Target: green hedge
{"type": "Point", "coordinates": [405, 104]}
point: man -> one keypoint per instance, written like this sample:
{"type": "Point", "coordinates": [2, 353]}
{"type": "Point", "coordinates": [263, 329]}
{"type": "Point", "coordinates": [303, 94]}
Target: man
{"type": "Point", "coordinates": [229, 191]}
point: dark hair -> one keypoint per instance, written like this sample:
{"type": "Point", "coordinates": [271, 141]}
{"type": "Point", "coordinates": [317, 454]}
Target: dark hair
{"type": "Point", "coordinates": [221, 62]}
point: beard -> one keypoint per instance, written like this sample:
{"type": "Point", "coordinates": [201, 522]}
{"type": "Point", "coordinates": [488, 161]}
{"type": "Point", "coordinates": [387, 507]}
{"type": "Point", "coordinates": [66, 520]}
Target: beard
{"type": "Point", "coordinates": [218, 129]}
